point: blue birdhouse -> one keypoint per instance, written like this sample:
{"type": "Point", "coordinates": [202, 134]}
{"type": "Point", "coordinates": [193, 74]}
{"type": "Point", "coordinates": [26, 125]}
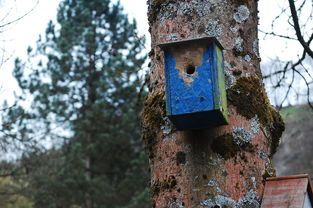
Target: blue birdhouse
{"type": "Point", "coordinates": [195, 83]}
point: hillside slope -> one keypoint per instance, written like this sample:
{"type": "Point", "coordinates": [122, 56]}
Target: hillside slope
{"type": "Point", "coordinates": [295, 153]}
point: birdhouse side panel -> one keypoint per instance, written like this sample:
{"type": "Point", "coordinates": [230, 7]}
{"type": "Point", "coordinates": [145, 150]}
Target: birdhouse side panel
{"type": "Point", "coordinates": [222, 101]}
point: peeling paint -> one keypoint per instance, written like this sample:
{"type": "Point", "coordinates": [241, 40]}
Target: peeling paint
{"type": "Point", "coordinates": [241, 136]}
{"type": "Point", "coordinates": [242, 14]}
{"type": "Point", "coordinates": [249, 200]}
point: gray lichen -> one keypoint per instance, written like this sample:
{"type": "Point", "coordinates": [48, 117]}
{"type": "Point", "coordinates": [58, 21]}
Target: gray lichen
{"type": "Point", "coordinates": [186, 9]}
{"type": "Point", "coordinates": [227, 65]}
{"type": "Point", "coordinates": [253, 182]}
{"type": "Point", "coordinates": [176, 204]}
{"type": "Point", "coordinates": [269, 169]}
{"type": "Point", "coordinates": [212, 29]}
{"type": "Point", "coordinates": [218, 190]}
{"type": "Point", "coordinates": [172, 37]}
{"type": "Point", "coordinates": [263, 155]}
{"type": "Point", "coordinates": [241, 136]}
{"type": "Point", "coordinates": [201, 9]}
{"type": "Point", "coordinates": [168, 11]}
{"type": "Point", "coordinates": [229, 79]}
{"type": "Point", "coordinates": [255, 126]}
{"type": "Point", "coordinates": [251, 199]}
{"type": "Point", "coordinates": [167, 126]}
{"type": "Point", "coordinates": [247, 58]}
{"type": "Point", "coordinates": [255, 48]}
{"type": "Point", "coordinates": [211, 183]}
{"type": "Point", "coordinates": [242, 14]}
{"type": "Point", "coordinates": [233, 29]}
{"type": "Point", "coordinates": [238, 44]}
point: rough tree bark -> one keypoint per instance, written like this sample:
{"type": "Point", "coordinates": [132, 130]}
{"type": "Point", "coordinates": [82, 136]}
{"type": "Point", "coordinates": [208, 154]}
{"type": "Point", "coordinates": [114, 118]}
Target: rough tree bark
{"type": "Point", "coordinates": [215, 167]}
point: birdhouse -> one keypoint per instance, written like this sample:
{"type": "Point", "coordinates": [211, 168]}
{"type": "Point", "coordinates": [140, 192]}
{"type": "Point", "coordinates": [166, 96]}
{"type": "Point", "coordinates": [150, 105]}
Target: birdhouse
{"type": "Point", "coordinates": [288, 191]}
{"type": "Point", "coordinates": [195, 83]}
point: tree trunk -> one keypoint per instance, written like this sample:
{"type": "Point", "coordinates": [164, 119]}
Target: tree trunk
{"type": "Point", "coordinates": [216, 167]}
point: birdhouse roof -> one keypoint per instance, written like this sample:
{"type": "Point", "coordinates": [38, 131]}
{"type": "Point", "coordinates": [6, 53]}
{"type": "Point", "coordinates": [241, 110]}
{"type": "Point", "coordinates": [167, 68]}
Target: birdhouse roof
{"type": "Point", "coordinates": [203, 40]}
{"type": "Point", "coordinates": [288, 191]}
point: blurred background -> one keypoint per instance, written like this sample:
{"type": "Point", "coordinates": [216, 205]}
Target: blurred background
{"type": "Point", "coordinates": [72, 86]}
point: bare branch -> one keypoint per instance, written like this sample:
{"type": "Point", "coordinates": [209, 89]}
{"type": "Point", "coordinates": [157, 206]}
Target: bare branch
{"type": "Point", "coordinates": [277, 35]}
{"type": "Point", "coordinates": [21, 17]}
{"type": "Point", "coordinates": [297, 28]}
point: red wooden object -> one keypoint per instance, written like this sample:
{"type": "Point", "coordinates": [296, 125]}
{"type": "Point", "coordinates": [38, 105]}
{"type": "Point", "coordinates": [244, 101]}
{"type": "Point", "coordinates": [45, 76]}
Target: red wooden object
{"type": "Point", "coordinates": [288, 191]}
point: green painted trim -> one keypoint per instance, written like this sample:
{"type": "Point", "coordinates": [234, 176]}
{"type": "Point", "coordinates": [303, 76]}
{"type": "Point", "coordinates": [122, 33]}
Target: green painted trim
{"type": "Point", "coordinates": [221, 83]}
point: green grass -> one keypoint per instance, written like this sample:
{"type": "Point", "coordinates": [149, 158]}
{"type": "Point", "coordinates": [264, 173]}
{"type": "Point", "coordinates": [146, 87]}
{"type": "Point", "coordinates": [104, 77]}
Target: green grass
{"type": "Point", "coordinates": [296, 113]}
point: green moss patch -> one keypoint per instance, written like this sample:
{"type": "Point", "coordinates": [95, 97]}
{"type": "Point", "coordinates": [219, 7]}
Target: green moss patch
{"type": "Point", "coordinates": [226, 146]}
{"type": "Point", "coordinates": [152, 118]}
{"type": "Point", "coordinates": [250, 99]}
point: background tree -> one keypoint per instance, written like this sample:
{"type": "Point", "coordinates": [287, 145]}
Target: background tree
{"type": "Point", "coordinates": [83, 82]}
{"type": "Point", "coordinates": [290, 80]}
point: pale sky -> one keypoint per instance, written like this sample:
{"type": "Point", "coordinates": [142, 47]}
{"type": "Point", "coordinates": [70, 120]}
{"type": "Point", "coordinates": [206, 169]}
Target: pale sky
{"type": "Point", "coordinates": [26, 31]}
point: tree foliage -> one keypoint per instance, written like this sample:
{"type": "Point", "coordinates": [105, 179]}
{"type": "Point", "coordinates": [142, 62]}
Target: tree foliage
{"type": "Point", "coordinates": [83, 81]}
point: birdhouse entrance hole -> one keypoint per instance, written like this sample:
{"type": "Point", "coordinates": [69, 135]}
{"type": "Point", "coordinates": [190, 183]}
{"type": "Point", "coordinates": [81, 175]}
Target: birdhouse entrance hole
{"type": "Point", "coordinates": [190, 69]}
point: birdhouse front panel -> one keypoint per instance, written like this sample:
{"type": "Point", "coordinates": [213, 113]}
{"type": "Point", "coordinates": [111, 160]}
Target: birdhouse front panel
{"type": "Point", "coordinates": [195, 86]}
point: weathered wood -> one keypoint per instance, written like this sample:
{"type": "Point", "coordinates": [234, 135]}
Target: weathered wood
{"type": "Point", "coordinates": [288, 191]}
{"type": "Point", "coordinates": [195, 86]}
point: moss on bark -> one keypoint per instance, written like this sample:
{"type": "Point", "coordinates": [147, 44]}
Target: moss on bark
{"type": "Point", "coordinates": [226, 146]}
{"type": "Point", "coordinates": [152, 118]}
{"type": "Point", "coordinates": [166, 184]}
{"type": "Point", "coordinates": [250, 99]}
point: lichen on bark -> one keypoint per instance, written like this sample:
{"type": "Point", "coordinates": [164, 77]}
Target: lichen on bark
{"type": "Point", "coordinates": [250, 99]}
{"type": "Point", "coordinates": [154, 9]}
